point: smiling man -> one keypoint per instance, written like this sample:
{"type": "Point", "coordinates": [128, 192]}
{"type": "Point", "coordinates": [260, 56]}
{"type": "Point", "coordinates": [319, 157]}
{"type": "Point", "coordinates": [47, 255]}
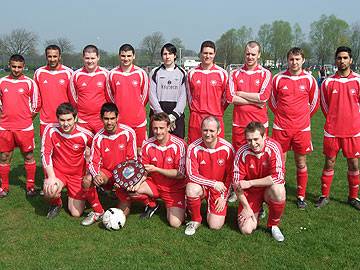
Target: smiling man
{"type": "Point", "coordinates": [19, 103]}
{"type": "Point", "coordinates": [340, 97]}
{"type": "Point", "coordinates": [294, 100]}
{"type": "Point", "coordinates": [259, 173]}
{"type": "Point", "coordinates": [209, 163]}
{"type": "Point", "coordinates": [129, 87]}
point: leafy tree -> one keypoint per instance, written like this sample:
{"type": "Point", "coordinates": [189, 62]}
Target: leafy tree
{"type": "Point", "coordinates": [151, 46]}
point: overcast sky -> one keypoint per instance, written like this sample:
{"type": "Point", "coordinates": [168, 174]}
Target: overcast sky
{"type": "Point", "coordinates": [109, 23]}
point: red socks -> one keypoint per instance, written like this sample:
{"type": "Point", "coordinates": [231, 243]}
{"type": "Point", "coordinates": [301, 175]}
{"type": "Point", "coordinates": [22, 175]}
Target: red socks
{"type": "Point", "coordinates": [93, 199]}
{"type": "Point", "coordinates": [276, 210]}
{"type": "Point", "coordinates": [194, 207]}
{"type": "Point", "coordinates": [30, 169]}
{"type": "Point", "coordinates": [302, 179]}
{"type": "Point", "coordinates": [326, 180]}
{"type": "Point", "coordinates": [353, 179]}
{"type": "Point", "coordinates": [4, 176]}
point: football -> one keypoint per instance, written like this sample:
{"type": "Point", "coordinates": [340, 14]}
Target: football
{"type": "Point", "coordinates": [114, 219]}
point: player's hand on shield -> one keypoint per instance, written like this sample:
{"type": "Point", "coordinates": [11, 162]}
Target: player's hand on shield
{"type": "Point", "coordinates": [219, 186]}
{"type": "Point", "coordinates": [220, 204]}
{"type": "Point", "coordinates": [245, 184]}
{"type": "Point", "coordinates": [150, 168]}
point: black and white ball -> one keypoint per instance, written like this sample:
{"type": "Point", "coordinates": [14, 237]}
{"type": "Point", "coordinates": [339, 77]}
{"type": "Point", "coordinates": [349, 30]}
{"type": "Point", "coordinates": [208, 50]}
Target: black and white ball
{"type": "Point", "coordinates": [114, 219]}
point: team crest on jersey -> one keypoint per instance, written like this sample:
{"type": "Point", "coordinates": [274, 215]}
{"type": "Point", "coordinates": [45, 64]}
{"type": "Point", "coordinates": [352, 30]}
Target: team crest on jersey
{"type": "Point", "coordinates": [302, 88]}
{"type": "Point", "coordinates": [62, 81]}
{"type": "Point", "coordinates": [198, 82]}
{"type": "Point", "coordinates": [169, 160]}
{"type": "Point", "coordinates": [221, 161]}
{"type": "Point", "coordinates": [135, 83]}
{"type": "Point", "coordinates": [213, 82]}
{"type": "Point", "coordinates": [99, 84]}
{"type": "Point", "coordinates": [76, 146]}
{"type": "Point", "coordinates": [121, 146]}
{"type": "Point", "coordinates": [257, 82]}
{"type": "Point", "coordinates": [21, 90]}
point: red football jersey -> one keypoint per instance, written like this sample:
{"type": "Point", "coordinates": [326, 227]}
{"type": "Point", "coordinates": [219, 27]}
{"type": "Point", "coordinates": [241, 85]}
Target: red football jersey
{"type": "Point", "coordinates": [250, 81]}
{"type": "Point", "coordinates": [170, 156]}
{"type": "Point", "coordinates": [294, 99]}
{"type": "Point", "coordinates": [340, 103]}
{"type": "Point", "coordinates": [207, 90]}
{"type": "Point", "coordinates": [54, 88]}
{"type": "Point", "coordinates": [130, 92]}
{"type": "Point", "coordinates": [65, 152]}
{"type": "Point", "coordinates": [19, 100]}
{"type": "Point", "coordinates": [206, 166]}
{"type": "Point", "coordinates": [249, 165]}
{"type": "Point", "coordinates": [108, 150]}
{"type": "Point", "coordinates": [88, 92]}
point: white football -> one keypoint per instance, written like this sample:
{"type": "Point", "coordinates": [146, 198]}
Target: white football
{"type": "Point", "coordinates": [114, 219]}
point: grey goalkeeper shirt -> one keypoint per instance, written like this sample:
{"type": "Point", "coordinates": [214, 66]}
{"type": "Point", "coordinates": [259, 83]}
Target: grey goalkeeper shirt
{"type": "Point", "coordinates": [168, 90]}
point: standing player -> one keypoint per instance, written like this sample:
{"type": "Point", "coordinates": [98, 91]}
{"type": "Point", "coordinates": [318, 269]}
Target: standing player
{"type": "Point", "coordinates": [63, 148]}
{"type": "Point", "coordinates": [249, 89]}
{"type": "Point", "coordinates": [164, 158]}
{"type": "Point", "coordinates": [294, 100]}
{"type": "Point", "coordinates": [340, 98]}
{"type": "Point", "coordinates": [88, 89]}
{"type": "Point", "coordinates": [19, 102]}
{"type": "Point", "coordinates": [206, 91]}
{"type": "Point", "coordinates": [111, 146]}
{"type": "Point", "coordinates": [168, 90]}
{"type": "Point", "coordinates": [259, 176]}
{"type": "Point", "coordinates": [129, 87]}
{"type": "Point", "coordinates": [53, 81]}
{"type": "Point", "coordinates": [209, 164]}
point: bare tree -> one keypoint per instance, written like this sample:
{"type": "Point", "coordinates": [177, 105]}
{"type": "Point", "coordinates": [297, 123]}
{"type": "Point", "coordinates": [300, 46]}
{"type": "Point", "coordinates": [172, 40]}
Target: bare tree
{"type": "Point", "coordinates": [64, 43]}
{"type": "Point", "coordinates": [151, 45]}
{"type": "Point", "coordinates": [355, 42]}
{"type": "Point", "coordinates": [19, 41]}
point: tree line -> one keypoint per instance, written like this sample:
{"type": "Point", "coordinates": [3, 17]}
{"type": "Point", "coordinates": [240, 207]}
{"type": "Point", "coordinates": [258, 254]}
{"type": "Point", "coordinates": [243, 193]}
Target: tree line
{"type": "Point", "coordinates": [326, 34]}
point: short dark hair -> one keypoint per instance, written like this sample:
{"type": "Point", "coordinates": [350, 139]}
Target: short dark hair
{"type": "Point", "coordinates": [109, 107]}
{"type": "Point", "coordinates": [252, 44]}
{"type": "Point", "coordinates": [343, 49]}
{"type": "Point", "coordinates": [17, 58]}
{"type": "Point", "coordinates": [208, 43]}
{"type": "Point", "coordinates": [254, 126]}
{"type": "Point", "coordinates": [295, 51]}
{"type": "Point", "coordinates": [169, 47]}
{"type": "Point", "coordinates": [160, 117]}
{"type": "Point", "coordinates": [66, 108]}
{"type": "Point", "coordinates": [91, 49]}
{"type": "Point", "coordinates": [53, 47]}
{"type": "Point", "coordinates": [209, 119]}
{"type": "Point", "coordinates": [126, 47]}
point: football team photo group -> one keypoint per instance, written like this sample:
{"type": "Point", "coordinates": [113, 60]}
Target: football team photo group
{"type": "Point", "coordinates": [126, 134]}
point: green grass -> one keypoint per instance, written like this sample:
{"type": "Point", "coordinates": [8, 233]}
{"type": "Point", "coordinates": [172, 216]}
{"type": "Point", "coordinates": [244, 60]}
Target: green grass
{"type": "Point", "coordinates": [315, 238]}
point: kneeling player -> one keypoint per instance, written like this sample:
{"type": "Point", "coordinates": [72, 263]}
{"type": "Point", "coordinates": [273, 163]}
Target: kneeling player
{"type": "Point", "coordinates": [209, 165]}
{"type": "Point", "coordinates": [259, 176]}
{"type": "Point", "coordinates": [63, 148]}
{"type": "Point", "coordinates": [164, 159]}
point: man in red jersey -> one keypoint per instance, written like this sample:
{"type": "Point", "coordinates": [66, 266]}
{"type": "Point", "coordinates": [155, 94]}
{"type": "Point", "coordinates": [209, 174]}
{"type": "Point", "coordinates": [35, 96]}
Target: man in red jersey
{"type": "Point", "coordinates": [248, 89]}
{"type": "Point", "coordinates": [209, 164]}
{"type": "Point", "coordinates": [53, 81]}
{"type": "Point", "coordinates": [206, 91]}
{"type": "Point", "coordinates": [111, 146]}
{"type": "Point", "coordinates": [88, 89]}
{"type": "Point", "coordinates": [259, 172]}
{"type": "Point", "coordinates": [129, 86]}
{"type": "Point", "coordinates": [164, 158]}
{"type": "Point", "coordinates": [19, 102]}
{"type": "Point", "coordinates": [294, 100]}
{"type": "Point", "coordinates": [63, 148]}
{"type": "Point", "coordinates": [340, 97]}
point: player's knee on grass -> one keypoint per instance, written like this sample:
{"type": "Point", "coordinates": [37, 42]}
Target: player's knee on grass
{"type": "Point", "coordinates": [247, 227]}
{"type": "Point", "coordinates": [215, 222]}
{"type": "Point", "coordinates": [275, 193]}
{"type": "Point", "coordinates": [175, 216]}
{"type": "Point", "coordinates": [76, 207]}
{"type": "Point", "coordinates": [193, 190]}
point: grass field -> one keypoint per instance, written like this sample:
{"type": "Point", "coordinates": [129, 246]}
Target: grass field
{"type": "Point", "coordinates": [315, 238]}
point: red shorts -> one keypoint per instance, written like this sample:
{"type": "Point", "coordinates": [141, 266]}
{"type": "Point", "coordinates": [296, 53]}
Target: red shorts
{"type": "Point", "coordinates": [296, 140]}
{"type": "Point", "coordinates": [73, 184]}
{"type": "Point", "coordinates": [171, 199]}
{"type": "Point", "coordinates": [350, 146]}
{"type": "Point", "coordinates": [238, 136]}
{"type": "Point", "coordinates": [211, 196]}
{"type": "Point", "coordinates": [141, 135]}
{"type": "Point", "coordinates": [9, 139]}
{"type": "Point", "coordinates": [255, 198]}
{"type": "Point", "coordinates": [93, 126]}
{"type": "Point", "coordinates": [194, 129]}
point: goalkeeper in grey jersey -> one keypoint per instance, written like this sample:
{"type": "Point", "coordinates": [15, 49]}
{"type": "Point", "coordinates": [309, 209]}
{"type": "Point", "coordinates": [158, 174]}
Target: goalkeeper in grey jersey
{"type": "Point", "coordinates": [168, 90]}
